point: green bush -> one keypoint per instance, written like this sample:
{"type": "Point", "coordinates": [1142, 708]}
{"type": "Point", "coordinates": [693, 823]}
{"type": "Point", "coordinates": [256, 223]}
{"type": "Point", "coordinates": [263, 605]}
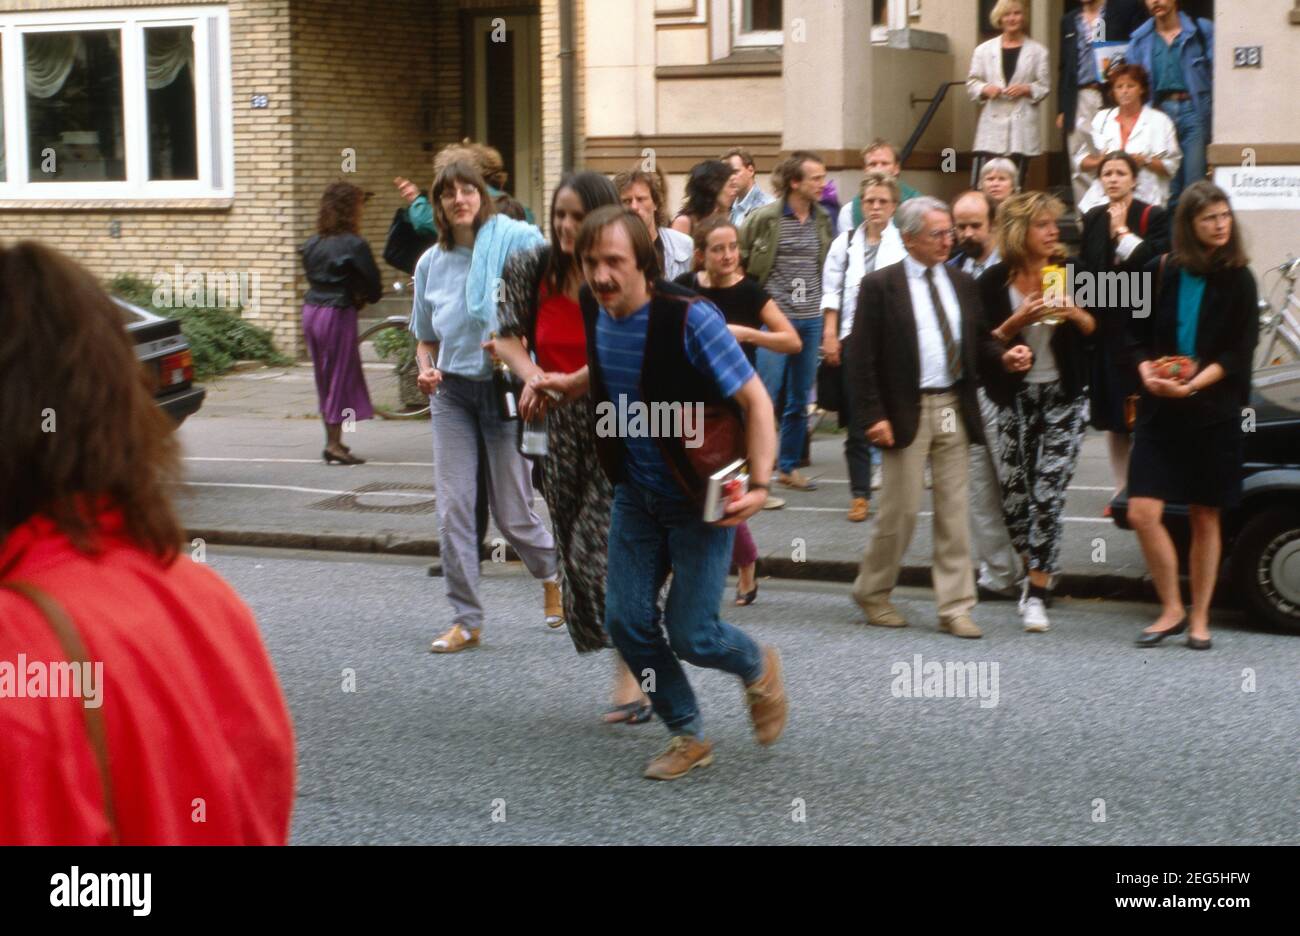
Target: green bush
{"type": "Point", "coordinates": [218, 337]}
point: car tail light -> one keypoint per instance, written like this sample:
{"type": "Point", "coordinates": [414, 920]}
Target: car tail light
{"type": "Point", "coordinates": [176, 369]}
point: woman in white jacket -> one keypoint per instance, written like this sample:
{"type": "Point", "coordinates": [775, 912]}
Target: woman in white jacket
{"type": "Point", "coordinates": [1009, 76]}
{"type": "Point", "coordinates": [1145, 133]}
{"type": "Point", "coordinates": [873, 245]}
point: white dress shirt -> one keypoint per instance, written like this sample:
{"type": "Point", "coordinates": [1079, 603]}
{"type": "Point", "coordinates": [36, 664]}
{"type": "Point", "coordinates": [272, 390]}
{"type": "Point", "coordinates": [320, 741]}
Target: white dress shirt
{"type": "Point", "coordinates": [935, 373]}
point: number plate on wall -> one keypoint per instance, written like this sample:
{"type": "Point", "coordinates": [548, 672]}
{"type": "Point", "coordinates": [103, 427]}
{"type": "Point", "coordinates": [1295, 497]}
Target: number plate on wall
{"type": "Point", "coordinates": [1251, 56]}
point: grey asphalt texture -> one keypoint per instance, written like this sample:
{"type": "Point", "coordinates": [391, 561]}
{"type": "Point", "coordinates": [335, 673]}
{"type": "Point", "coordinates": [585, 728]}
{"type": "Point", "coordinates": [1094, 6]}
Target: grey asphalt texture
{"type": "Point", "coordinates": [428, 747]}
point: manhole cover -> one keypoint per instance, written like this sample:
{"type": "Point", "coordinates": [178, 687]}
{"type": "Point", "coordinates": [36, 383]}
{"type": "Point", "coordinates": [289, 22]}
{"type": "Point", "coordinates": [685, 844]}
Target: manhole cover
{"type": "Point", "coordinates": [419, 497]}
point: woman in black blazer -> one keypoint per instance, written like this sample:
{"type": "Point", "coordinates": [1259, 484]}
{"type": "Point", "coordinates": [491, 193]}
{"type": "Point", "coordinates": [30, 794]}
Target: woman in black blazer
{"type": "Point", "coordinates": [1187, 444]}
{"type": "Point", "coordinates": [1120, 237]}
{"type": "Point", "coordinates": [1042, 401]}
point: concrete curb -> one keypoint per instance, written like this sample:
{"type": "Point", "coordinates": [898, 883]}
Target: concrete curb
{"type": "Point", "coordinates": [1072, 585]}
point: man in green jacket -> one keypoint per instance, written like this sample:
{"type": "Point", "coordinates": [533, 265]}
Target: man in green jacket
{"type": "Point", "coordinates": [784, 245]}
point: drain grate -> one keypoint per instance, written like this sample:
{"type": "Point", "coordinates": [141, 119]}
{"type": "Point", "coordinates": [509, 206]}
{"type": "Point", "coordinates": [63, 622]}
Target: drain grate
{"type": "Point", "coordinates": [352, 499]}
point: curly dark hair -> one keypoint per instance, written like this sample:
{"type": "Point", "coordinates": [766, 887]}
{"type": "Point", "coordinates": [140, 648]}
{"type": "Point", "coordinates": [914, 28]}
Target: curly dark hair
{"type": "Point", "coordinates": [703, 186]}
{"type": "Point", "coordinates": [65, 357]}
{"type": "Point", "coordinates": [340, 209]}
{"type": "Point", "coordinates": [653, 180]}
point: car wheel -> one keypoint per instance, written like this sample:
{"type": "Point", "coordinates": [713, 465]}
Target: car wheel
{"type": "Point", "coordinates": [1266, 567]}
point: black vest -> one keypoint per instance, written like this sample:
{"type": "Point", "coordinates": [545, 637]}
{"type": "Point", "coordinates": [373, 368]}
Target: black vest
{"type": "Point", "coordinates": [668, 376]}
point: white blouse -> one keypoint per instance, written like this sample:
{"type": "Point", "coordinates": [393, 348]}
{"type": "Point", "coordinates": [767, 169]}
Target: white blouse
{"type": "Point", "coordinates": [1153, 136]}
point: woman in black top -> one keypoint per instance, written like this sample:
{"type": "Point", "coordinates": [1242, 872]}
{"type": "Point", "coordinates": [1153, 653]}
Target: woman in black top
{"type": "Point", "coordinates": [1187, 444]}
{"type": "Point", "coordinates": [748, 309]}
{"type": "Point", "coordinates": [343, 278]}
{"type": "Point", "coordinates": [1120, 237]}
{"type": "Point", "coordinates": [1042, 402]}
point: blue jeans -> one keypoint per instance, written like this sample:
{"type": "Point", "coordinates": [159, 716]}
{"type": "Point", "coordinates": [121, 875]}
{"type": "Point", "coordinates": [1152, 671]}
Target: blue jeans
{"type": "Point", "coordinates": [858, 452]}
{"type": "Point", "coordinates": [648, 533]}
{"type": "Point", "coordinates": [1192, 138]}
{"type": "Point", "coordinates": [795, 374]}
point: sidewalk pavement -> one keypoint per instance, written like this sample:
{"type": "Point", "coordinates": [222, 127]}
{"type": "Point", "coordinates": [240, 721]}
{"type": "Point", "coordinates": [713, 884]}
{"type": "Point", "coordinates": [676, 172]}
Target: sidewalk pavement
{"type": "Point", "coordinates": [254, 477]}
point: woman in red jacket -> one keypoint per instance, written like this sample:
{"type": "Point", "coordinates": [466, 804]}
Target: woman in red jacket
{"type": "Point", "coordinates": [137, 702]}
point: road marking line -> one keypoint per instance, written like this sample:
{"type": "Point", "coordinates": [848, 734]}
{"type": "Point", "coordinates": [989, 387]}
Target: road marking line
{"type": "Point", "coordinates": [1072, 487]}
{"type": "Point", "coordinates": [302, 461]}
{"type": "Point", "coordinates": [426, 495]}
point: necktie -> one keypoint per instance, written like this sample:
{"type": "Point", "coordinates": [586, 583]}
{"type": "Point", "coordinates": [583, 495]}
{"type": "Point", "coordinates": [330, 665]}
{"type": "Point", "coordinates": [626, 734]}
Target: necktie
{"type": "Point", "coordinates": [949, 343]}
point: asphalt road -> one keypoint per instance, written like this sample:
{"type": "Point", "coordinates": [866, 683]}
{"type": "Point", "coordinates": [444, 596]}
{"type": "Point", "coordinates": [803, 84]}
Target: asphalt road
{"type": "Point", "coordinates": [1169, 745]}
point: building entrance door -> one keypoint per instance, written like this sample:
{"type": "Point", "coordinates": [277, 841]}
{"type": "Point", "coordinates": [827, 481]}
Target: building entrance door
{"type": "Point", "coordinates": [505, 61]}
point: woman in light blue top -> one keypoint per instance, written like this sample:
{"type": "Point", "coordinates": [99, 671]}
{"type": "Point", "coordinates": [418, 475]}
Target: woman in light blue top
{"type": "Point", "coordinates": [454, 313]}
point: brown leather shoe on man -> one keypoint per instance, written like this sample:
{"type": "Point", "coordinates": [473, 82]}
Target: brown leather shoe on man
{"type": "Point", "coordinates": [885, 616]}
{"type": "Point", "coordinates": [961, 626]}
{"type": "Point", "coordinates": [858, 509]}
{"type": "Point", "coordinates": [795, 481]}
{"type": "Point", "coordinates": [683, 755]}
{"type": "Point", "coordinates": [768, 706]}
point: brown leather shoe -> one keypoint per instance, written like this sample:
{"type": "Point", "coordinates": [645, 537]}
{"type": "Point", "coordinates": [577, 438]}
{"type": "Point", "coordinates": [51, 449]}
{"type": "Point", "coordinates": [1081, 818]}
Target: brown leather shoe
{"type": "Point", "coordinates": [796, 481]}
{"type": "Point", "coordinates": [961, 626]}
{"type": "Point", "coordinates": [554, 608]}
{"type": "Point", "coordinates": [768, 706]}
{"type": "Point", "coordinates": [683, 755]}
{"type": "Point", "coordinates": [858, 509]}
{"type": "Point", "coordinates": [885, 616]}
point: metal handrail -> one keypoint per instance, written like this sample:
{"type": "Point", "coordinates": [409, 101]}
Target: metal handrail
{"type": "Point", "coordinates": [939, 94]}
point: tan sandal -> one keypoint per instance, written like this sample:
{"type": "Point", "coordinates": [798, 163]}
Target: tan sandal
{"type": "Point", "coordinates": [458, 638]}
{"type": "Point", "coordinates": [554, 604]}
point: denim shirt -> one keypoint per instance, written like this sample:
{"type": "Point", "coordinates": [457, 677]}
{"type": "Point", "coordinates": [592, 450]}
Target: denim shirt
{"type": "Point", "coordinates": [1195, 49]}
{"type": "Point", "coordinates": [439, 313]}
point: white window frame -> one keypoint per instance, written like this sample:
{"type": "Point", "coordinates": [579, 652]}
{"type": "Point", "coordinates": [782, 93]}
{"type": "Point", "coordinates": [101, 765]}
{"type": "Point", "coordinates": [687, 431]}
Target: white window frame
{"type": "Point", "coordinates": [213, 111]}
{"type": "Point", "coordinates": [752, 38]}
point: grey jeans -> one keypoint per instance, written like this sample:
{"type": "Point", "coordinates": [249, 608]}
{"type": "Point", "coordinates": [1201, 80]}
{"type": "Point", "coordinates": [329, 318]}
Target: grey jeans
{"type": "Point", "coordinates": [462, 412]}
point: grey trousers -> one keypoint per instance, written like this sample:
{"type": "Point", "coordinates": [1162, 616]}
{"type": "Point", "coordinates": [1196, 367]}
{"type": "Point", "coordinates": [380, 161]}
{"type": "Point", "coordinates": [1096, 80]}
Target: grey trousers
{"type": "Point", "coordinates": [1000, 566]}
{"type": "Point", "coordinates": [462, 412]}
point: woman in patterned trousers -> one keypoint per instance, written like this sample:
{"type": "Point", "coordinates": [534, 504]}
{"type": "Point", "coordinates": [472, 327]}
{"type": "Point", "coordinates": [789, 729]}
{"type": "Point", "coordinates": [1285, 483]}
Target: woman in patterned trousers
{"type": "Point", "coordinates": [539, 305]}
{"type": "Point", "coordinates": [1043, 403]}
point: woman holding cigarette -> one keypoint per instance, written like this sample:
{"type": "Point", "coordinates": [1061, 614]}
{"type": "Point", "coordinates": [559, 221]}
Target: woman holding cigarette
{"type": "Point", "coordinates": [452, 316]}
{"type": "Point", "coordinates": [1195, 353]}
{"type": "Point", "coordinates": [539, 307]}
{"type": "Point", "coordinates": [1043, 404]}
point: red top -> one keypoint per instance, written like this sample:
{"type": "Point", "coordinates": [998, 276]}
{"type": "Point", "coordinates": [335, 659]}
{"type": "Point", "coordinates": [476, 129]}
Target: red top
{"type": "Point", "coordinates": [192, 707]}
{"type": "Point", "coordinates": [561, 338]}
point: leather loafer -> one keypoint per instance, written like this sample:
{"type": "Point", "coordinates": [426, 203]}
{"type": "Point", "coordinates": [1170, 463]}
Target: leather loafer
{"type": "Point", "coordinates": [1151, 638]}
{"type": "Point", "coordinates": [1197, 643]}
{"type": "Point", "coordinates": [888, 616]}
{"type": "Point", "coordinates": [961, 626]}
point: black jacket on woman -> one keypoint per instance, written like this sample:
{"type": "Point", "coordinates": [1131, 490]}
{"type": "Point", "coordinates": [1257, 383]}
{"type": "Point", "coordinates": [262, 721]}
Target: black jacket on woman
{"type": "Point", "coordinates": [1069, 345]}
{"type": "Point", "coordinates": [341, 271]}
{"type": "Point", "coordinates": [1226, 335]}
{"type": "Point", "coordinates": [1113, 375]}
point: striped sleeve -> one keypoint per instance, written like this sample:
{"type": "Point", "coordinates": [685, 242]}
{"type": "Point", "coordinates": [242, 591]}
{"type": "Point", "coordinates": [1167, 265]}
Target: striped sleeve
{"type": "Point", "coordinates": [713, 350]}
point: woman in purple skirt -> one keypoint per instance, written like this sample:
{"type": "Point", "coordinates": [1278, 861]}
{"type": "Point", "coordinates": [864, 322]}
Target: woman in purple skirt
{"type": "Point", "coordinates": [342, 279]}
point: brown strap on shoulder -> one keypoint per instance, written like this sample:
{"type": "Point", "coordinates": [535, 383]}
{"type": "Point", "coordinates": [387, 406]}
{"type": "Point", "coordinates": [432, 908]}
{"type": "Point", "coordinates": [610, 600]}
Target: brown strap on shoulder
{"type": "Point", "coordinates": [75, 651]}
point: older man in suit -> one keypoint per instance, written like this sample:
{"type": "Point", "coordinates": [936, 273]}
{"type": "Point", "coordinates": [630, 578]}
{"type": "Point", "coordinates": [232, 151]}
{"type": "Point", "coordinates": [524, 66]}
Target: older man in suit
{"type": "Point", "coordinates": [913, 355]}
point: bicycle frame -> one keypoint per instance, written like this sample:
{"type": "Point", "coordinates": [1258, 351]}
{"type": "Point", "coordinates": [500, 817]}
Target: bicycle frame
{"type": "Point", "coordinates": [1280, 325]}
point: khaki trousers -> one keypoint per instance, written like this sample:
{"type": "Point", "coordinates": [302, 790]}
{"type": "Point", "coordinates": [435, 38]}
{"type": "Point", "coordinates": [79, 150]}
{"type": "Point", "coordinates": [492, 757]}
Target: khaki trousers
{"type": "Point", "coordinates": [941, 437]}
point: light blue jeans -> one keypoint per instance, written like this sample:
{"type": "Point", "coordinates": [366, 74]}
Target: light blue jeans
{"type": "Point", "coordinates": [795, 374]}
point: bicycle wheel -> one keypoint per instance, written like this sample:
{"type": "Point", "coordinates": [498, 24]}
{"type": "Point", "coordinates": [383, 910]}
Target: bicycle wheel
{"type": "Point", "coordinates": [388, 362]}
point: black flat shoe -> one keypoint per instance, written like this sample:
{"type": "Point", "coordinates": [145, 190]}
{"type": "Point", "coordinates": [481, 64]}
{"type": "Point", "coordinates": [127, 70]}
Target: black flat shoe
{"type": "Point", "coordinates": [1151, 638]}
{"type": "Point", "coordinates": [1196, 643]}
{"type": "Point", "coordinates": [746, 598]}
{"type": "Point", "coordinates": [346, 459]}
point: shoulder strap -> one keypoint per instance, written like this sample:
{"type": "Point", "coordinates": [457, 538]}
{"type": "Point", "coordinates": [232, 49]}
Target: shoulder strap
{"type": "Point", "coordinates": [1142, 222]}
{"type": "Point", "coordinates": [75, 650]}
{"type": "Point", "coordinates": [848, 258]}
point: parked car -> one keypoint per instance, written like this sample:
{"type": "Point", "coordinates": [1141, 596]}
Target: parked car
{"type": "Point", "coordinates": [1261, 536]}
{"type": "Point", "coordinates": [162, 349]}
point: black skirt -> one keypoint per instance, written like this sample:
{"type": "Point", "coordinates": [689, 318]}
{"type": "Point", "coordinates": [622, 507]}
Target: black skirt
{"type": "Point", "coordinates": [1200, 467]}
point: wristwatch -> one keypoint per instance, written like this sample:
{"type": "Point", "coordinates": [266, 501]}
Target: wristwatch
{"type": "Point", "coordinates": [758, 485]}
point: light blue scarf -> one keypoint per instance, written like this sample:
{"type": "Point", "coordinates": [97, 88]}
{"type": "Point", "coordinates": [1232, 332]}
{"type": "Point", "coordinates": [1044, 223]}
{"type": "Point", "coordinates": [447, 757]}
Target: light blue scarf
{"type": "Point", "coordinates": [496, 240]}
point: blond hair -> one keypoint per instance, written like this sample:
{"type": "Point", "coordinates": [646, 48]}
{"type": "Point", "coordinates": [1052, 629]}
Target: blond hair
{"type": "Point", "coordinates": [873, 179]}
{"type": "Point", "coordinates": [1015, 215]}
{"type": "Point", "coordinates": [1002, 7]}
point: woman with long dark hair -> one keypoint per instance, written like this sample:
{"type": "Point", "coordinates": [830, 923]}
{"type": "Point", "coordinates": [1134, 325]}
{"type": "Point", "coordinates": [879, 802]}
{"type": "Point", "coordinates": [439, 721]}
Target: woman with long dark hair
{"type": "Point", "coordinates": [539, 306]}
{"type": "Point", "coordinates": [710, 188]}
{"type": "Point", "coordinates": [91, 572]}
{"type": "Point", "coordinates": [1194, 355]}
{"type": "Point", "coordinates": [1120, 236]}
{"type": "Point", "coordinates": [342, 279]}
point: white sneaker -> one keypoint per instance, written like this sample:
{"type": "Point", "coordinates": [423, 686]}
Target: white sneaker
{"type": "Point", "coordinates": [1024, 594]}
{"type": "Point", "coordinates": [877, 477]}
{"type": "Point", "coordinates": [1035, 616]}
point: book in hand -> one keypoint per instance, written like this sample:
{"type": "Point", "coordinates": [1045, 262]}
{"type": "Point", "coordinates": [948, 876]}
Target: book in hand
{"type": "Point", "coordinates": [727, 485]}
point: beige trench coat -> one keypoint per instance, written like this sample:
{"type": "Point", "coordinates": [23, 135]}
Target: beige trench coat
{"type": "Point", "coordinates": [1009, 125]}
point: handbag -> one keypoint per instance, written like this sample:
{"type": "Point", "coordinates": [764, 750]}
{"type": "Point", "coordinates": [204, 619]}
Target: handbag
{"type": "Point", "coordinates": [75, 650]}
{"type": "Point", "coordinates": [830, 381]}
{"type": "Point", "coordinates": [405, 245]}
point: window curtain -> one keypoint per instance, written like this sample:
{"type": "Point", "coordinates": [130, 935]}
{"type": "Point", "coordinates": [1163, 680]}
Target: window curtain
{"type": "Point", "coordinates": [50, 59]}
{"type": "Point", "coordinates": [169, 51]}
